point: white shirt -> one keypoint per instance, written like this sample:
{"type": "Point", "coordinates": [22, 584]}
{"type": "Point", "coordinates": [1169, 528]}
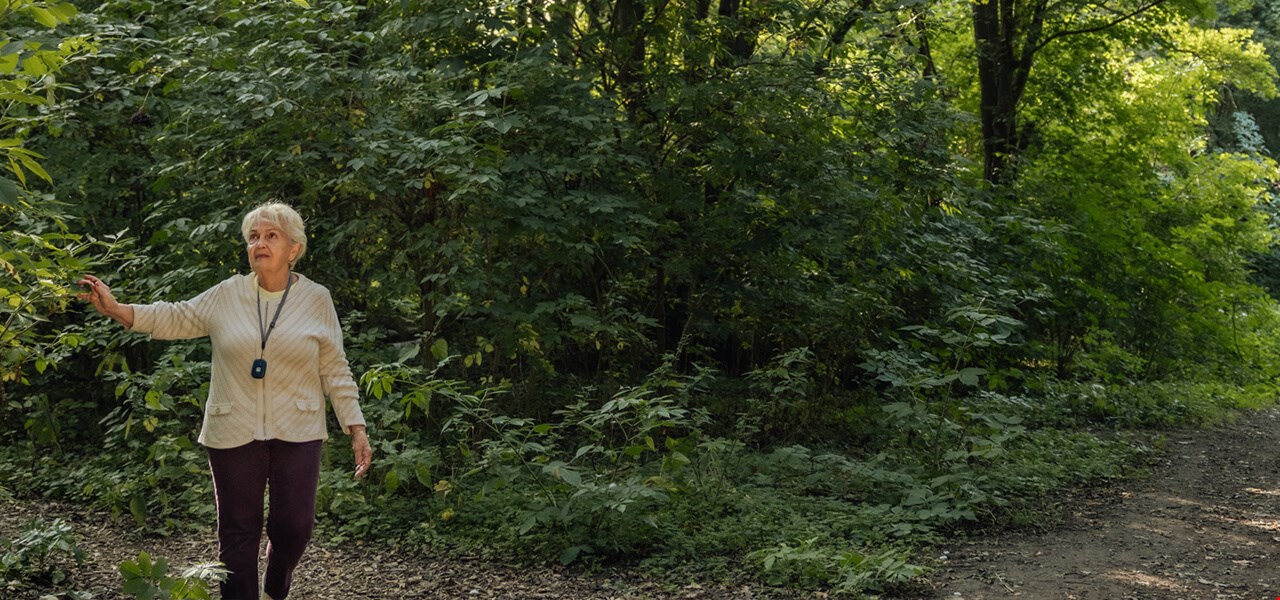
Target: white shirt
{"type": "Point", "coordinates": [304, 354]}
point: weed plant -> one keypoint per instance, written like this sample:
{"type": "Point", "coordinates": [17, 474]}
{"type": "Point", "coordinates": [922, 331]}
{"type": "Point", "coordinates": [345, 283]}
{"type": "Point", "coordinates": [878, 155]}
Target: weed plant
{"type": "Point", "coordinates": [148, 579]}
{"type": "Point", "coordinates": [42, 556]}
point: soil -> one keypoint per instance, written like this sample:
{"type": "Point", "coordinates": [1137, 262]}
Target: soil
{"type": "Point", "coordinates": [1203, 525]}
{"type": "Point", "coordinates": [348, 571]}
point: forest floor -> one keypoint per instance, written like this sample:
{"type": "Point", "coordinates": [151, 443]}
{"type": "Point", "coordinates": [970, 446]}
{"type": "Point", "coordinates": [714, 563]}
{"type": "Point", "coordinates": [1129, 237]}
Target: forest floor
{"type": "Point", "coordinates": [348, 571]}
{"type": "Point", "coordinates": [1204, 524]}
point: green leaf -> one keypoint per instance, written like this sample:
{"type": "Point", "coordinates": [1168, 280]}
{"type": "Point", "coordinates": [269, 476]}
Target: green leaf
{"type": "Point", "coordinates": [130, 570]}
{"type": "Point", "coordinates": [570, 554]}
{"type": "Point", "coordinates": [44, 16]}
{"type": "Point", "coordinates": [528, 524]}
{"type": "Point", "coordinates": [138, 508]}
{"type": "Point", "coordinates": [302, 3]}
{"type": "Point", "coordinates": [63, 12]}
{"type": "Point", "coordinates": [407, 353]}
{"type": "Point", "coordinates": [9, 192]}
{"type": "Point", "coordinates": [24, 98]}
{"type": "Point", "coordinates": [440, 349]}
{"type": "Point", "coordinates": [34, 167]}
{"type": "Point", "coordinates": [134, 584]}
{"type": "Point", "coordinates": [34, 66]}
{"type": "Point", "coordinates": [970, 376]}
{"type": "Point", "coordinates": [561, 471]}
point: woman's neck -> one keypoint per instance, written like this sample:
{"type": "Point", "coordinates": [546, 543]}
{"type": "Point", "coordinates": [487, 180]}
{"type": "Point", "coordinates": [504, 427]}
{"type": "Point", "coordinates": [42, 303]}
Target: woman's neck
{"type": "Point", "coordinates": [275, 281]}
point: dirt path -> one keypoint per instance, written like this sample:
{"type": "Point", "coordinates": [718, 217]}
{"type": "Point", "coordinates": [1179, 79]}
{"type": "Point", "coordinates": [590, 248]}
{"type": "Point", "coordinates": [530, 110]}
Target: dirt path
{"type": "Point", "coordinates": [1204, 526]}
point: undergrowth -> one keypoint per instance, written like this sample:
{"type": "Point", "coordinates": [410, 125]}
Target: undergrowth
{"type": "Point", "coordinates": [635, 479]}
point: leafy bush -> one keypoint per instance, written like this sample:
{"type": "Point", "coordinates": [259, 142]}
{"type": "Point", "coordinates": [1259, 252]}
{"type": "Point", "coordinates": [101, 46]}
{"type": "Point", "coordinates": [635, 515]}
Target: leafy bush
{"type": "Point", "coordinates": [846, 572]}
{"type": "Point", "coordinates": [146, 579]}
{"type": "Point", "coordinates": [597, 479]}
{"type": "Point", "coordinates": [42, 555]}
{"type": "Point", "coordinates": [1145, 404]}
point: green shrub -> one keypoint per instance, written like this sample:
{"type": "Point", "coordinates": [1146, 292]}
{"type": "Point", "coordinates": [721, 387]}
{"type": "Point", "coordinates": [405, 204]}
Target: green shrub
{"type": "Point", "coordinates": [42, 555]}
{"type": "Point", "coordinates": [146, 579]}
{"type": "Point", "coordinates": [597, 479]}
{"type": "Point", "coordinates": [1147, 404]}
{"type": "Point", "coordinates": [845, 572]}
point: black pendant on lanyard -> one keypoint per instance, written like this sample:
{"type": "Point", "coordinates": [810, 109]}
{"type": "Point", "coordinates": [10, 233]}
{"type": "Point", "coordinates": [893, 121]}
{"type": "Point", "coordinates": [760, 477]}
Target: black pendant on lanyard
{"type": "Point", "coordinates": [259, 369]}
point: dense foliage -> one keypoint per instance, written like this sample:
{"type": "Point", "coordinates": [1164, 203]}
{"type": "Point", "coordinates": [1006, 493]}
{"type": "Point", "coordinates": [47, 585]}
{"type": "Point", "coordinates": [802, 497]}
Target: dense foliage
{"type": "Point", "coordinates": [790, 287]}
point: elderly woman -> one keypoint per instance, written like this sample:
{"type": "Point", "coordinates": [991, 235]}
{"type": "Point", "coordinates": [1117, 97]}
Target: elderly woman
{"type": "Point", "coordinates": [277, 353]}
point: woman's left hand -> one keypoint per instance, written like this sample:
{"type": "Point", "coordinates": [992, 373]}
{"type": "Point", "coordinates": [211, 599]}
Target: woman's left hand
{"type": "Point", "coordinates": [363, 452]}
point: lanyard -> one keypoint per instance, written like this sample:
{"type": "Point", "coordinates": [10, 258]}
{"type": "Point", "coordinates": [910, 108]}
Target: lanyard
{"type": "Point", "coordinates": [265, 330]}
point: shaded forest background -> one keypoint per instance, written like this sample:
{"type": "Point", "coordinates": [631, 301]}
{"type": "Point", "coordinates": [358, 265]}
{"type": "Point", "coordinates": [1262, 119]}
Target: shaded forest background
{"type": "Point", "coordinates": [786, 289]}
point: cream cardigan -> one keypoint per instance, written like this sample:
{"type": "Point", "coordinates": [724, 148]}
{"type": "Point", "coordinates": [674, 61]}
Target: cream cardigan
{"type": "Point", "coordinates": [305, 361]}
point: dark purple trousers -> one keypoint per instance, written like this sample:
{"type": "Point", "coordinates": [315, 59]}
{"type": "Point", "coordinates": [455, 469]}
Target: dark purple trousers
{"type": "Point", "coordinates": [240, 479]}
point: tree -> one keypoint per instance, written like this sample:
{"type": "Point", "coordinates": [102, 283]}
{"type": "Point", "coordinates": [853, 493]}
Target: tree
{"type": "Point", "coordinates": [1164, 224]}
{"type": "Point", "coordinates": [39, 255]}
{"type": "Point", "coordinates": [1009, 35]}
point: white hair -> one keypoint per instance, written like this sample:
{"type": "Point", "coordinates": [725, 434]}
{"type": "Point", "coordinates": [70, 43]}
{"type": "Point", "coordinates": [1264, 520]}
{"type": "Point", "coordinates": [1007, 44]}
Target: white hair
{"type": "Point", "coordinates": [282, 216]}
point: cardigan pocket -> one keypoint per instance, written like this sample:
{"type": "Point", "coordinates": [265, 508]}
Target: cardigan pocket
{"type": "Point", "coordinates": [223, 408]}
{"type": "Point", "coordinates": [307, 405]}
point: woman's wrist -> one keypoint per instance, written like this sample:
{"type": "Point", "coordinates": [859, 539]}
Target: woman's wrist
{"type": "Point", "coordinates": [123, 314]}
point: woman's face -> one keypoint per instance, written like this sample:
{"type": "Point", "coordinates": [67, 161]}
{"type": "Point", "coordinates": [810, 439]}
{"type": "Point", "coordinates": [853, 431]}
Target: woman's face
{"type": "Point", "coordinates": [270, 249]}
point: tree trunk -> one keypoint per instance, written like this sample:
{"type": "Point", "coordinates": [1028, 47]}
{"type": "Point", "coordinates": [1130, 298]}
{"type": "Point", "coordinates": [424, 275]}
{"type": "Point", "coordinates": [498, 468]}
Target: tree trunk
{"type": "Point", "coordinates": [629, 51]}
{"type": "Point", "coordinates": [741, 38]}
{"type": "Point", "coordinates": [998, 104]}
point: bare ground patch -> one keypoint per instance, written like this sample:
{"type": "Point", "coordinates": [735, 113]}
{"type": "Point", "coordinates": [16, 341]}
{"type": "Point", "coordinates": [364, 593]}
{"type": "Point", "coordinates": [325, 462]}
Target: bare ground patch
{"type": "Point", "coordinates": [1205, 525]}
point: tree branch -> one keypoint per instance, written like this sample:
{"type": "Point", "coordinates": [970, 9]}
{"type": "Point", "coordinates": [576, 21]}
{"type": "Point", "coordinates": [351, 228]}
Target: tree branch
{"type": "Point", "coordinates": [1096, 28]}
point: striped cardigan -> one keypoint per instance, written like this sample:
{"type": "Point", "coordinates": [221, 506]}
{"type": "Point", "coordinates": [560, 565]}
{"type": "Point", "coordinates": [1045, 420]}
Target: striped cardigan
{"type": "Point", "coordinates": [305, 361]}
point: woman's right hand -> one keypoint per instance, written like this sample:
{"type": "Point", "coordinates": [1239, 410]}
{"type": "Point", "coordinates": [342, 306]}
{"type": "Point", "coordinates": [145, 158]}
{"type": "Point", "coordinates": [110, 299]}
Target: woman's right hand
{"type": "Point", "coordinates": [99, 295]}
